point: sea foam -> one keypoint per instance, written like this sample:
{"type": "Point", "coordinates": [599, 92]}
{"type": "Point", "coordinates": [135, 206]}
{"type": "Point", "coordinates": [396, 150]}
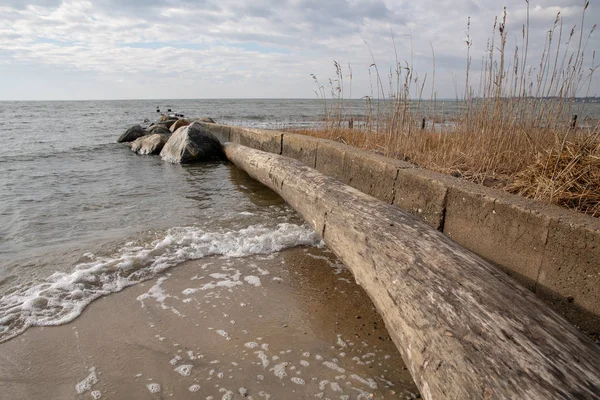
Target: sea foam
{"type": "Point", "coordinates": [61, 297]}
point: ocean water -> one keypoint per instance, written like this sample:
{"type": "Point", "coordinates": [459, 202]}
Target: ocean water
{"type": "Point", "coordinates": [82, 216]}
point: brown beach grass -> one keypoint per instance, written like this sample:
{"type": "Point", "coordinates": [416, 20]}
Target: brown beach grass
{"type": "Point", "coordinates": [515, 131]}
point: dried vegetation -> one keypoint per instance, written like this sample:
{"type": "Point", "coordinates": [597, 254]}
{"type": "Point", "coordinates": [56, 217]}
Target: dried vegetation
{"type": "Point", "coordinates": [515, 131]}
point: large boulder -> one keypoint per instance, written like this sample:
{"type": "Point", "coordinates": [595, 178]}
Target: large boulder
{"type": "Point", "coordinates": [132, 134]}
{"type": "Point", "coordinates": [149, 144]}
{"type": "Point", "coordinates": [160, 129]}
{"type": "Point", "coordinates": [178, 124]}
{"type": "Point", "coordinates": [192, 143]}
{"type": "Point", "coordinates": [168, 123]}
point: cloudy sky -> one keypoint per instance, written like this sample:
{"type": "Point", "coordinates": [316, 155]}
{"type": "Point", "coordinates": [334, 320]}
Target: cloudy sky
{"type": "Point", "coordinates": [119, 49]}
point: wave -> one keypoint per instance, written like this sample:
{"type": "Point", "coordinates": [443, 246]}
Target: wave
{"type": "Point", "coordinates": [61, 297]}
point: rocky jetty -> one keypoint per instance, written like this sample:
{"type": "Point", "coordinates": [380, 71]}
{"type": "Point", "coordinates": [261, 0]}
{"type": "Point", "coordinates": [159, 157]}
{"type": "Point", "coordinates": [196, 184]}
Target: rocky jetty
{"type": "Point", "coordinates": [160, 129]}
{"type": "Point", "coordinates": [177, 140]}
{"type": "Point", "coordinates": [132, 134]}
{"type": "Point", "coordinates": [179, 124]}
{"type": "Point", "coordinates": [192, 143]}
{"type": "Point", "coordinates": [149, 144]}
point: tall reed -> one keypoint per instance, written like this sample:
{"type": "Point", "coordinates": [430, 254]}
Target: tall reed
{"type": "Point", "coordinates": [513, 130]}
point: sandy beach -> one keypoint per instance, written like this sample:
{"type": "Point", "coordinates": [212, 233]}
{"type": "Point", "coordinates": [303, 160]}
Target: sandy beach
{"type": "Point", "coordinates": [289, 325]}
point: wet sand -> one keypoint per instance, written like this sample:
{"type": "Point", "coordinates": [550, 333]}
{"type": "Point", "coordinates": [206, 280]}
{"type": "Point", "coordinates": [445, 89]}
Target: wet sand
{"type": "Point", "coordinates": [290, 325]}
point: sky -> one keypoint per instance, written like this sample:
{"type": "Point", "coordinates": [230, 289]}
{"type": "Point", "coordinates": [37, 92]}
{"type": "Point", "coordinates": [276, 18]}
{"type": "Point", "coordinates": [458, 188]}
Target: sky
{"type": "Point", "coordinates": [158, 49]}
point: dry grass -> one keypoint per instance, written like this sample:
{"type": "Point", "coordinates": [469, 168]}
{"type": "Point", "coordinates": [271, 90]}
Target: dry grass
{"type": "Point", "coordinates": [569, 177]}
{"type": "Point", "coordinates": [514, 131]}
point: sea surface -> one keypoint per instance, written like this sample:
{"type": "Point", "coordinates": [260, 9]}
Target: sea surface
{"type": "Point", "coordinates": [81, 216]}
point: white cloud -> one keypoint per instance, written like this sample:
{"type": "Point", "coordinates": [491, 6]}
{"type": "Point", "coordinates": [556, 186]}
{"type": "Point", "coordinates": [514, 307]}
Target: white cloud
{"type": "Point", "coordinates": [263, 48]}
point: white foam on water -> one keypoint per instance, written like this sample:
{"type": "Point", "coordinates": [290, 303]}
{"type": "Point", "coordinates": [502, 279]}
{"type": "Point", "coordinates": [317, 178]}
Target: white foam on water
{"type": "Point", "coordinates": [96, 394]}
{"type": "Point", "coordinates": [153, 387]}
{"type": "Point", "coordinates": [338, 267]}
{"type": "Point", "coordinates": [228, 394]}
{"type": "Point", "coordinates": [334, 366]}
{"type": "Point", "coordinates": [194, 388]}
{"type": "Point", "coordinates": [156, 292]}
{"type": "Point", "coordinates": [298, 381]}
{"type": "Point", "coordinates": [263, 358]}
{"type": "Point", "coordinates": [323, 384]}
{"type": "Point", "coordinates": [279, 370]}
{"type": "Point", "coordinates": [184, 370]}
{"type": "Point", "coordinates": [253, 280]}
{"type": "Point", "coordinates": [175, 360]}
{"type": "Point", "coordinates": [86, 384]}
{"type": "Point", "coordinates": [223, 333]}
{"type": "Point", "coordinates": [341, 342]}
{"type": "Point", "coordinates": [262, 271]}
{"type": "Point", "coordinates": [62, 296]}
{"type": "Point", "coordinates": [368, 382]}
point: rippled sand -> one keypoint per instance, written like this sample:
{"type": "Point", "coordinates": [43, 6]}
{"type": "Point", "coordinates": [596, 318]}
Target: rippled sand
{"type": "Point", "coordinates": [290, 325]}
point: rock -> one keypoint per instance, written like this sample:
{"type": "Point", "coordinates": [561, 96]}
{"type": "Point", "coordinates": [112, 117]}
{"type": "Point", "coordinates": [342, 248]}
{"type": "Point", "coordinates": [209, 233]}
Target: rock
{"type": "Point", "coordinates": [149, 144]}
{"type": "Point", "coordinates": [168, 123]}
{"type": "Point", "coordinates": [192, 143]}
{"type": "Point", "coordinates": [161, 129]}
{"type": "Point", "coordinates": [132, 134]}
{"type": "Point", "coordinates": [178, 124]}
{"type": "Point", "coordinates": [206, 119]}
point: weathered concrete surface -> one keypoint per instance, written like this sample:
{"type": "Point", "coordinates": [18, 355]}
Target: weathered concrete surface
{"type": "Point", "coordinates": [550, 250]}
{"type": "Point", "coordinates": [505, 229]}
{"type": "Point", "coordinates": [420, 193]}
{"type": "Point", "coordinates": [465, 330]}
{"type": "Point", "coordinates": [569, 275]}
{"type": "Point", "coordinates": [330, 158]}
{"type": "Point", "coordinates": [371, 173]}
{"type": "Point", "coordinates": [222, 132]}
{"type": "Point", "coordinates": [300, 147]}
{"type": "Point", "coordinates": [258, 139]}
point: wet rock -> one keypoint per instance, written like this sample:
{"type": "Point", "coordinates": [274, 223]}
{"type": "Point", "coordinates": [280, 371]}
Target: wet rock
{"type": "Point", "coordinates": [192, 143]}
{"type": "Point", "coordinates": [132, 134]}
{"type": "Point", "coordinates": [168, 123]}
{"type": "Point", "coordinates": [160, 129]}
{"type": "Point", "coordinates": [178, 124]}
{"type": "Point", "coordinates": [150, 144]}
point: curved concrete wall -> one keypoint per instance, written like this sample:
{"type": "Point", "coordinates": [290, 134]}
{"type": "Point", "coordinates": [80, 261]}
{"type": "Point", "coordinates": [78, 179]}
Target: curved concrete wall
{"type": "Point", "coordinates": [552, 251]}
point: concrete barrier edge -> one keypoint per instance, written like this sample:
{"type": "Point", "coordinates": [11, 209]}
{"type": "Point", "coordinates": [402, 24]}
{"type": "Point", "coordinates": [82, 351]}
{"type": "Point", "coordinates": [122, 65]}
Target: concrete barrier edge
{"type": "Point", "coordinates": [552, 251]}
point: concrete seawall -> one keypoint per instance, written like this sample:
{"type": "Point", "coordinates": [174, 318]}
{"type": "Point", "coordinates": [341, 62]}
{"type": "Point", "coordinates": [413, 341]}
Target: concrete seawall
{"type": "Point", "coordinates": [552, 251]}
{"type": "Point", "coordinates": [464, 329]}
